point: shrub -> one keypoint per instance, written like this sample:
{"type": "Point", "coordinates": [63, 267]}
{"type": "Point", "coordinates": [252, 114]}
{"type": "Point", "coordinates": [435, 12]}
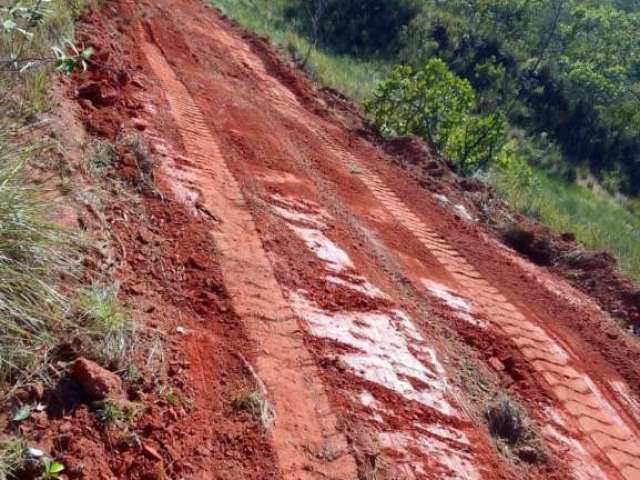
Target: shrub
{"type": "Point", "coordinates": [438, 106]}
{"type": "Point", "coordinates": [359, 27]}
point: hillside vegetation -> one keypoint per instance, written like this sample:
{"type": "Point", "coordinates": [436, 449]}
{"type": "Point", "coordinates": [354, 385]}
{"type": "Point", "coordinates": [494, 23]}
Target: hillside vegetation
{"type": "Point", "coordinates": [539, 97]}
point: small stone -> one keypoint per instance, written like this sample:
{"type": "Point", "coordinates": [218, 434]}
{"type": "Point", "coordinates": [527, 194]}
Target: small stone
{"type": "Point", "coordinates": [340, 364]}
{"type": "Point", "coordinates": [140, 124]}
{"type": "Point", "coordinates": [528, 454]}
{"type": "Point", "coordinates": [90, 91]}
{"type": "Point", "coordinates": [66, 427]}
{"type": "Point", "coordinates": [496, 364]}
{"type": "Point", "coordinates": [98, 382]}
{"type": "Point", "coordinates": [196, 262]}
{"type": "Point", "coordinates": [35, 453]}
{"type": "Point", "coordinates": [86, 104]}
{"type": "Point", "coordinates": [109, 99]}
{"type": "Point", "coordinates": [151, 452]}
{"type": "Point", "coordinates": [144, 237]}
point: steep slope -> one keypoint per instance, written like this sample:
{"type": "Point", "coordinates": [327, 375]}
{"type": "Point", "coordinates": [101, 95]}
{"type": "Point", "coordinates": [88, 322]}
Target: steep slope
{"type": "Point", "coordinates": [380, 320]}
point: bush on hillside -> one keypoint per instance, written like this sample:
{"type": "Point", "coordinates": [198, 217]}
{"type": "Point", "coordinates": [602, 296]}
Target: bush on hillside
{"type": "Point", "coordinates": [358, 27]}
{"type": "Point", "coordinates": [435, 104]}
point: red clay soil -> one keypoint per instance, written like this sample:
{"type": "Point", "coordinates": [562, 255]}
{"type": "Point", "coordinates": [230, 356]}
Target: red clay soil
{"type": "Point", "coordinates": [379, 321]}
{"type": "Point", "coordinates": [593, 272]}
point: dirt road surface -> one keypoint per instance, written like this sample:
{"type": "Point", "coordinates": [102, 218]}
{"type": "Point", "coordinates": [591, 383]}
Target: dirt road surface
{"type": "Point", "coordinates": [381, 319]}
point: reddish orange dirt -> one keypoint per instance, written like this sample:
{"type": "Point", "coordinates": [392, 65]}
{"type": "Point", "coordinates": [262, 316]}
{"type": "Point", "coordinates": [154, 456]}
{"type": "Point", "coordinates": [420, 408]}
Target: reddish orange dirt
{"type": "Point", "coordinates": [379, 316]}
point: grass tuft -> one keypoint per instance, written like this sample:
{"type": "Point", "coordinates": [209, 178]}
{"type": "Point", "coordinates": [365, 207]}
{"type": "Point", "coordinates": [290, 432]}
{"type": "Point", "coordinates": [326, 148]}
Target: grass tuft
{"type": "Point", "coordinates": [256, 405]}
{"type": "Point", "coordinates": [103, 324]}
{"type": "Point", "coordinates": [100, 156]}
{"type": "Point", "coordinates": [11, 457]}
{"type": "Point", "coordinates": [110, 412]}
{"type": "Point", "coordinates": [34, 255]}
{"type": "Point", "coordinates": [507, 421]}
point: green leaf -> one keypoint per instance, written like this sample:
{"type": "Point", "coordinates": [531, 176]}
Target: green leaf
{"type": "Point", "coordinates": [22, 414]}
{"type": "Point", "coordinates": [56, 467]}
{"type": "Point", "coordinates": [9, 25]}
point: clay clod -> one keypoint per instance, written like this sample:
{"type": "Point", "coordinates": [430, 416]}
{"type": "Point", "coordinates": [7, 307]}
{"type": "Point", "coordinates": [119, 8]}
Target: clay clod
{"type": "Point", "coordinates": [98, 382]}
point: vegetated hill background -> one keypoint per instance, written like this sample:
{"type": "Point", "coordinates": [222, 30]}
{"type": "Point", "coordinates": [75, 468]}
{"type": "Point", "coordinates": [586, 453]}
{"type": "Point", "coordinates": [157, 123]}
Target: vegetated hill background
{"type": "Point", "coordinates": [560, 77]}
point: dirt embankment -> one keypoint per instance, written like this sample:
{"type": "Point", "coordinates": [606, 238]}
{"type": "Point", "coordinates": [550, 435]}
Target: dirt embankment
{"type": "Point", "coordinates": [593, 272]}
{"type": "Point", "coordinates": [351, 285]}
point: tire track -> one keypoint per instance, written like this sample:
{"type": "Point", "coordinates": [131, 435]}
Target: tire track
{"type": "Point", "coordinates": [304, 426]}
{"type": "Point", "coordinates": [580, 397]}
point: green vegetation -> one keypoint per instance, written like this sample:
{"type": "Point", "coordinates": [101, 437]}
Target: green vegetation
{"type": "Point", "coordinates": [11, 457]}
{"type": "Point", "coordinates": [598, 220]}
{"type": "Point", "coordinates": [353, 77]}
{"type": "Point", "coordinates": [111, 412]}
{"type": "Point", "coordinates": [104, 325]}
{"type": "Point", "coordinates": [51, 469]}
{"type": "Point", "coordinates": [33, 254]}
{"type": "Point", "coordinates": [563, 74]}
{"type": "Point", "coordinates": [438, 106]}
{"type": "Point", "coordinates": [39, 262]}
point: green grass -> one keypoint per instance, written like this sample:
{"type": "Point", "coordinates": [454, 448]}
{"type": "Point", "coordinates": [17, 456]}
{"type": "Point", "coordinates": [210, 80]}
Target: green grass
{"type": "Point", "coordinates": [111, 412]}
{"type": "Point", "coordinates": [598, 220]}
{"type": "Point", "coordinates": [11, 457]}
{"type": "Point", "coordinates": [33, 255]}
{"type": "Point", "coordinates": [352, 77]}
{"type": "Point", "coordinates": [38, 260]}
{"type": "Point", "coordinates": [103, 324]}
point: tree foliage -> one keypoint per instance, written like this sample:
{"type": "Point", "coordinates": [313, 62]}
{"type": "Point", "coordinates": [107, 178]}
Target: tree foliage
{"type": "Point", "coordinates": [359, 27]}
{"type": "Point", "coordinates": [568, 69]}
{"type": "Point", "coordinates": [435, 104]}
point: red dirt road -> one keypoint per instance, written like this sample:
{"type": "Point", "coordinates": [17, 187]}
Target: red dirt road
{"type": "Point", "coordinates": [381, 319]}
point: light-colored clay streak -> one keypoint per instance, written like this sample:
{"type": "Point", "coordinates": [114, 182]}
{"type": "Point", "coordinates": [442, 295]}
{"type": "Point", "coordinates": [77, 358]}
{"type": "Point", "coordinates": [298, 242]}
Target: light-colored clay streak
{"type": "Point", "coordinates": [304, 426]}
{"type": "Point", "coordinates": [579, 395]}
{"type": "Point", "coordinates": [389, 351]}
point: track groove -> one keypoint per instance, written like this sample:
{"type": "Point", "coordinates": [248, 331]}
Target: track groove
{"type": "Point", "coordinates": [304, 425]}
{"type": "Point", "coordinates": [595, 416]}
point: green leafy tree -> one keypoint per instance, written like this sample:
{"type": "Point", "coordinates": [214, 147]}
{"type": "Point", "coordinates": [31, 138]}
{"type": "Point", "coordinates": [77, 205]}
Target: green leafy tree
{"type": "Point", "coordinates": [435, 104]}
{"type": "Point", "coordinates": [358, 27]}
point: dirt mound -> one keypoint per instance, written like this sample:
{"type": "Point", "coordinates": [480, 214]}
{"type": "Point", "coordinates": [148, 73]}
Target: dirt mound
{"type": "Point", "coordinates": [594, 272]}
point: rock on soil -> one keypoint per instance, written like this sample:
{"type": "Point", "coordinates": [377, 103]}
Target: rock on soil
{"type": "Point", "coordinates": [98, 382]}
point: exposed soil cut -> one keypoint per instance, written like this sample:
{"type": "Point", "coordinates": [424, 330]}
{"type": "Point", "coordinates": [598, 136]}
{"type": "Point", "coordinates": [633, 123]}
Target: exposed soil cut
{"type": "Point", "coordinates": [351, 285]}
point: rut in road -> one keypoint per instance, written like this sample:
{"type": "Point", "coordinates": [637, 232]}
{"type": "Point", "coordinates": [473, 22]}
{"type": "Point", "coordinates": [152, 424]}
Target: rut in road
{"type": "Point", "coordinates": [303, 426]}
{"type": "Point", "coordinates": [307, 296]}
{"type": "Point", "coordinates": [575, 390]}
